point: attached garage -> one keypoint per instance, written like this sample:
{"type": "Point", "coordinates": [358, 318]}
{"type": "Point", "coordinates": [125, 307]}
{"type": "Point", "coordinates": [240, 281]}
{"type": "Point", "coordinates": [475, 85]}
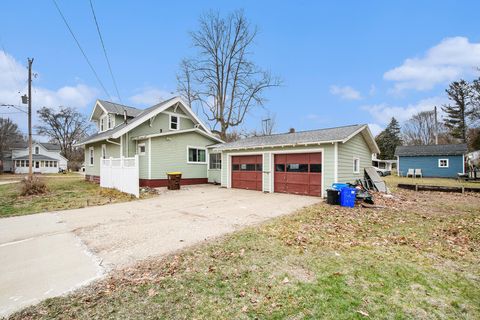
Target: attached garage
{"type": "Point", "coordinates": [303, 163]}
{"type": "Point", "coordinates": [247, 172]}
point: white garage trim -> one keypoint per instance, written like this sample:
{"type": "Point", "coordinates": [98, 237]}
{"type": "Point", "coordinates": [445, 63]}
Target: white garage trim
{"type": "Point", "coordinates": [335, 163]}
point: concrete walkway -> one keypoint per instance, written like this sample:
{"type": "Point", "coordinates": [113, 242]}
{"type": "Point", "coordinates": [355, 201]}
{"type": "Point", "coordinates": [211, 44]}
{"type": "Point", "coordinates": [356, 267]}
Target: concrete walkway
{"type": "Point", "coordinates": [9, 182]}
{"type": "Point", "coordinates": [44, 255]}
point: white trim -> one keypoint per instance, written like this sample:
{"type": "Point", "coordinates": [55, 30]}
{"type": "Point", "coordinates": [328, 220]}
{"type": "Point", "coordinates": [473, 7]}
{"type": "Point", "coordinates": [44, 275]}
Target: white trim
{"type": "Point", "coordinates": [463, 164]}
{"type": "Point", "coordinates": [335, 163]}
{"type": "Point", "coordinates": [91, 156]}
{"type": "Point", "coordinates": [112, 142]}
{"type": "Point", "coordinates": [444, 159]}
{"type": "Point", "coordinates": [94, 108]}
{"type": "Point", "coordinates": [170, 122]}
{"type": "Point", "coordinates": [206, 134]}
{"type": "Point", "coordinates": [198, 148]}
{"type": "Point", "coordinates": [208, 161]}
{"type": "Point", "coordinates": [149, 158]}
{"type": "Point", "coordinates": [139, 145]}
{"type": "Point", "coordinates": [354, 159]}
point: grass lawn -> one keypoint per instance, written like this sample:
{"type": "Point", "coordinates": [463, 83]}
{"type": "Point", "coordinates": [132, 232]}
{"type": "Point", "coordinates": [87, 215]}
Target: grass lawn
{"type": "Point", "coordinates": [393, 181]}
{"type": "Point", "coordinates": [419, 258]}
{"type": "Point", "coordinates": [64, 192]}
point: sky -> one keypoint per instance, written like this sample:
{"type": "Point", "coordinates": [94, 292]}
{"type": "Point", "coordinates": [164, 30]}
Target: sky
{"type": "Point", "coordinates": [341, 62]}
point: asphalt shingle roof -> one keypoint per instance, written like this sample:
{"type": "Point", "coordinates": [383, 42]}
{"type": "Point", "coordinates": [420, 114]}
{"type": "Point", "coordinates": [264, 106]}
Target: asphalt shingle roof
{"type": "Point", "coordinates": [432, 150]}
{"type": "Point", "coordinates": [118, 108]}
{"type": "Point", "coordinates": [35, 157]}
{"type": "Point", "coordinates": [46, 145]}
{"type": "Point", "coordinates": [312, 136]}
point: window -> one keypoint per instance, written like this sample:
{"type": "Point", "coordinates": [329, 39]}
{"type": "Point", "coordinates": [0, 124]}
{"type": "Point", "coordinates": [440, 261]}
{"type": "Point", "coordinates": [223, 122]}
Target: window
{"type": "Point", "coordinates": [196, 155]}
{"type": "Point", "coordinates": [356, 165]}
{"type": "Point", "coordinates": [215, 161]}
{"type": "Point", "coordinates": [280, 168]}
{"type": "Point", "coordinates": [443, 163]}
{"type": "Point", "coordinates": [315, 168]}
{"type": "Point", "coordinates": [102, 124]}
{"type": "Point", "coordinates": [235, 167]}
{"type": "Point", "coordinates": [174, 123]}
{"type": "Point", "coordinates": [55, 164]}
{"type": "Point", "coordinates": [22, 163]}
{"type": "Point", "coordinates": [91, 155]}
{"type": "Point", "coordinates": [297, 167]}
{"type": "Point", "coordinates": [37, 150]}
{"type": "Point", "coordinates": [104, 151]}
{"type": "Point", "coordinates": [258, 167]}
{"type": "Point", "coordinates": [110, 120]}
{"type": "Point", "coordinates": [141, 149]}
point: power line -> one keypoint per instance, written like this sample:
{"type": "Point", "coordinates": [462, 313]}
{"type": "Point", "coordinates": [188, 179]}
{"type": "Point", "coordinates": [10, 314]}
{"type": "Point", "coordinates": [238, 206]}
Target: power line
{"type": "Point", "coordinates": [80, 47]}
{"type": "Point", "coordinates": [105, 51]}
{"type": "Point", "coordinates": [13, 106]}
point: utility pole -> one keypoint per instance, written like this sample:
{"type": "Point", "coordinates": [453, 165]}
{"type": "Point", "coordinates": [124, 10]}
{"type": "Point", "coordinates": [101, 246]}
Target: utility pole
{"type": "Point", "coordinates": [30, 61]}
{"type": "Point", "coordinates": [436, 125]}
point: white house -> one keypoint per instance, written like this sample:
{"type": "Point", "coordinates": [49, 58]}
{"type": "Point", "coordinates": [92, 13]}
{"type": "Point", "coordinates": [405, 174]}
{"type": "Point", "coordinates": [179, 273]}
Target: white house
{"type": "Point", "coordinates": [46, 158]}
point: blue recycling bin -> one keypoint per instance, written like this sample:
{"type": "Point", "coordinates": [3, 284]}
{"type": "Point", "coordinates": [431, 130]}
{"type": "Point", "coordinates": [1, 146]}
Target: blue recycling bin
{"type": "Point", "coordinates": [347, 197]}
{"type": "Point", "coordinates": [339, 186]}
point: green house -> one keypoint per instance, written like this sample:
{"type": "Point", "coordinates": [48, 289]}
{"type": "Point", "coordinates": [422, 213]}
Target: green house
{"type": "Point", "coordinates": [170, 137]}
{"type": "Point", "coordinates": [166, 137]}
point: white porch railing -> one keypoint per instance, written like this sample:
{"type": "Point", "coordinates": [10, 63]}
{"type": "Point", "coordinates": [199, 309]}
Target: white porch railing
{"type": "Point", "coordinates": [121, 174]}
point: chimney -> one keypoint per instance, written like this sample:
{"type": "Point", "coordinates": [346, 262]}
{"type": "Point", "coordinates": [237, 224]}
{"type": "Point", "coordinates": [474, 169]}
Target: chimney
{"type": "Point", "coordinates": [292, 130]}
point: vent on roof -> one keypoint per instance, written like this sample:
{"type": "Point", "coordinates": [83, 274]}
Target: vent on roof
{"type": "Point", "coordinates": [292, 130]}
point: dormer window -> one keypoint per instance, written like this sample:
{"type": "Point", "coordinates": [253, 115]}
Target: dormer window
{"type": "Point", "coordinates": [111, 120]}
{"type": "Point", "coordinates": [102, 124]}
{"type": "Point", "coordinates": [37, 150]}
{"type": "Point", "coordinates": [174, 122]}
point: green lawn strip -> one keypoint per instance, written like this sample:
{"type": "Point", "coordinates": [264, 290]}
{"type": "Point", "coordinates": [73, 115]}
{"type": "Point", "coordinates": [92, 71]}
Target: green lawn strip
{"type": "Point", "coordinates": [323, 262]}
{"type": "Point", "coordinates": [63, 193]}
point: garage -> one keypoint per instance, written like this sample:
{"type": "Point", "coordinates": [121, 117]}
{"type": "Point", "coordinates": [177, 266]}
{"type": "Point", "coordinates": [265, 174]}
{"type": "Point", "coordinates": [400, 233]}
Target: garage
{"type": "Point", "coordinates": [298, 173]}
{"type": "Point", "coordinates": [247, 172]}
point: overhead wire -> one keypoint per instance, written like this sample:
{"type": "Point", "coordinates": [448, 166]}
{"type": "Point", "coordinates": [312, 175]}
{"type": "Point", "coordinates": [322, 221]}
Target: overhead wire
{"type": "Point", "coordinates": [81, 49]}
{"type": "Point", "coordinates": [105, 51]}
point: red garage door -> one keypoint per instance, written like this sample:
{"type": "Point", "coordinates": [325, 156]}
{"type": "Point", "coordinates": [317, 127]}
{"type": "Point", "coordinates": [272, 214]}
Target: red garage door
{"type": "Point", "coordinates": [247, 172]}
{"type": "Point", "coordinates": [298, 173]}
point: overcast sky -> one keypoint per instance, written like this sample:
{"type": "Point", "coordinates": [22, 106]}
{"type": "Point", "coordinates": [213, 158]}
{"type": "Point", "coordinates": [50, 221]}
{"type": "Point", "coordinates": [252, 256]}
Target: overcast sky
{"type": "Point", "coordinates": [342, 62]}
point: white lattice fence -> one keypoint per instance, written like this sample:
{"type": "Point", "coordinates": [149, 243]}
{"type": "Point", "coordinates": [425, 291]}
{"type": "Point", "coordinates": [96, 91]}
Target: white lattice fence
{"type": "Point", "coordinates": [121, 174]}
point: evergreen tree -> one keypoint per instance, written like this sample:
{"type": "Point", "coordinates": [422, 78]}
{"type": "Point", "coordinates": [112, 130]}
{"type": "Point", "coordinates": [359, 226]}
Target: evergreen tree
{"type": "Point", "coordinates": [459, 92]}
{"type": "Point", "coordinates": [389, 139]}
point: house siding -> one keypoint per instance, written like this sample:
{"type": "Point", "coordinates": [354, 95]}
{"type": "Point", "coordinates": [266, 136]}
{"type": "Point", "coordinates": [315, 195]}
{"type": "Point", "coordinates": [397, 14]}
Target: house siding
{"type": "Point", "coordinates": [62, 162]}
{"type": "Point", "coordinates": [214, 175]}
{"type": "Point", "coordinates": [113, 151]}
{"type": "Point", "coordinates": [170, 153]}
{"type": "Point", "coordinates": [356, 147]}
{"type": "Point", "coordinates": [429, 165]}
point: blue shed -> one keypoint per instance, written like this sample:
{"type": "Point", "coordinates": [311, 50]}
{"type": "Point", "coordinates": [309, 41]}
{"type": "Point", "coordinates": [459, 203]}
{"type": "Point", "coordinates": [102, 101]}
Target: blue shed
{"type": "Point", "coordinates": [442, 160]}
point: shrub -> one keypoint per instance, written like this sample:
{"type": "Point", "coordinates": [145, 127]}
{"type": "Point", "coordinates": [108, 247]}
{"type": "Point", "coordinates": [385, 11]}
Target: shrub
{"type": "Point", "coordinates": [33, 186]}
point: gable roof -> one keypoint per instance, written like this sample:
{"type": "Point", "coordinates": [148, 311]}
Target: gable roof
{"type": "Point", "coordinates": [116, 108]}
{"type": "Point", "coordinates": [432, 150]}
{"type": "Point", "coordinates": [143, 116]}
{"type": "Point", "coordinates": [328, 135]}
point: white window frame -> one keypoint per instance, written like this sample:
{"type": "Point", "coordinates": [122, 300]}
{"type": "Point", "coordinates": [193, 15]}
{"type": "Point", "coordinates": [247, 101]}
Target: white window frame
{"type": "Point", "coordinates": [197, 148]}
{"type": "Point", "coordinates": [138, 149]}
{"type": "Point", "coordinates": [102, 124]}
{"type": "Point", "coordinates": [104, 151]}
{"type": "Point", "coordinates": [356, 170]}
{"type": "Point", "coordinates": [91, 156]}
{"type": "Point", "coordinates": [170, 122]}
{"type": "Point", "coordinates": [218, 166]}
{"type": "Point", "coordinates": [447, 163]}
{"type": "Point", "coordinates": [110, 121]}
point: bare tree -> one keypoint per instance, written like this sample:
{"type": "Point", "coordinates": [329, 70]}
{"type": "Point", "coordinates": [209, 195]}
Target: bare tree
{"type": "Point", "coordinates": [420, 130]}
{"type": "Point", "coordinates": [222, 79]}
{"type": "Point", "coordinates": [9, 135]}
{"type": "Point", "coordinates": [65, 127]}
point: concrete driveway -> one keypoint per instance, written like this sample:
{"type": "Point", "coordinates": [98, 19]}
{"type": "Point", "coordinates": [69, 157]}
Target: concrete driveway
{"type": "Point", "coordinates": [48, 254]}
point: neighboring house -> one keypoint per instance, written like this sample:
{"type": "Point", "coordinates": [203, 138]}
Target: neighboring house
{"type": "Point", "coordinates": [306, 162]}
{"type": "Point", "coordinates": [46, 158]}
{"type": "Point", "coordinates": [445, 160]}
{"type": "Point", "coordinates": [383, 164]}
{"type": "Point", "coordinates": [166, 137]}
